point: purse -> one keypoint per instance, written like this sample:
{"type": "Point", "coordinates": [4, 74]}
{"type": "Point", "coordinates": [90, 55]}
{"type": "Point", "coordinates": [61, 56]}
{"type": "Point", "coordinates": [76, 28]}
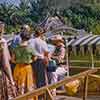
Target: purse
{"type": "Point", "coordinates": [52, 66]}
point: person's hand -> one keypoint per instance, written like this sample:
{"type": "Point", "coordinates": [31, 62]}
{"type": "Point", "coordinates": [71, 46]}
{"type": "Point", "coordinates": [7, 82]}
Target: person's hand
{"type": "Point", "coordinates": [46, 61]}
{"type": "Point", "coordinates": [1, 44]}
{"type": "Point", "coordinates": [14, 88]}
{"type": "Point", "coordinates": [34, 58]}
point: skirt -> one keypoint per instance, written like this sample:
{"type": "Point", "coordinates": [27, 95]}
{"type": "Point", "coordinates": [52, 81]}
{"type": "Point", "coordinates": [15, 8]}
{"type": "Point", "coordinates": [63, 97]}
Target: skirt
{"type": "Point", "coordinates": [24, 78]}
{"type": "Point", "coordinates": [7, 90]}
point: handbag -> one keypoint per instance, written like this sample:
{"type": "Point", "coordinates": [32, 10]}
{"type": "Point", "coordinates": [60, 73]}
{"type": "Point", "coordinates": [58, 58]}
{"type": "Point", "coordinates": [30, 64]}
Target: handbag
{"type": "Point", "coordinates": [52, 66]}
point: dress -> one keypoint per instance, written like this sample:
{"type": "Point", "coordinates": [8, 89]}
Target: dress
{"type": "Point", "coordinates": [6, 88]}
{"type": "Point", "coordinates": [23, 58]}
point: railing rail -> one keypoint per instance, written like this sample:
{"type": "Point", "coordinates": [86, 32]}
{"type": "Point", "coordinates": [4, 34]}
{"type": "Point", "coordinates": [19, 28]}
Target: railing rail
{"type": "Point", "coordinates": [47, 89]}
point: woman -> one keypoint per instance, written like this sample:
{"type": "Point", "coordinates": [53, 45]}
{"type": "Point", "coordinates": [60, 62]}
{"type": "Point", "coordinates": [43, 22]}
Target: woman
{"type": "Point", "coordinates": [59, 53]}
{"type": "Point", "coordinates": [58, 56]}
{"type": "Point", "coordinates": [17, 40]}
{"type": "Point", "coordinates": [7, 88]}
{"type": "Point", "coordinates": [24, 56]}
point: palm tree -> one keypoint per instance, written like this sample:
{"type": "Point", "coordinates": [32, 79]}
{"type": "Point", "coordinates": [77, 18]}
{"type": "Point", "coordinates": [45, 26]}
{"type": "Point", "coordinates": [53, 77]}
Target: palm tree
{"type": "Point", "coordinates": [6, 12]}
{"type": "Point", "coordinates": [38, 10]}
{"type": "Point", "coordinates": [21, 16]}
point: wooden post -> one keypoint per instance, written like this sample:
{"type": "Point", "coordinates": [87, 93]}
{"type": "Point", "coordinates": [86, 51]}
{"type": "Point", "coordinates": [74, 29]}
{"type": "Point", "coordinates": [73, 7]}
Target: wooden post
{"type": "Point", "coordinates": [49, 95]}
{"type": "Point", "coordinates": [92, 58]}
{"type": "Point", "coordinates": [67, 59]}
{"type": "Point", "coordinates": [85, 88]}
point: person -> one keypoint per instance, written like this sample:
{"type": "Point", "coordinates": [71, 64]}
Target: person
{"type": "Point", "coordinates": [42, 57]}
{"type": "Point", "coordinates": [23, 55]}
{"type": "Point", "coordinates": [58, 56]}
{"type": "Point", "coordinates": [7, 85]}
{"type": "Point", "coordinates": [59, 53]}
{"type": "Point", "coordinates": [17, 39]}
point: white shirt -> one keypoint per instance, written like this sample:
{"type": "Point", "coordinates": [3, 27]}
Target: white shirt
{"type": "Point", "coordinates": [39, 45]}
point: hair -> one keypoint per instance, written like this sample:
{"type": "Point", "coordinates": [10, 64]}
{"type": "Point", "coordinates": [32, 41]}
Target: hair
{"type": "Point", "coordinates": [64, 41]}
{"type": "Point", "coordinates": [2, 26]}
{"type": "Point", "coordinates": [25, 36]}
{"type": "Point", "coordinates": [39, 31]}
{"type": "Point", "coordinates": [25, 27]}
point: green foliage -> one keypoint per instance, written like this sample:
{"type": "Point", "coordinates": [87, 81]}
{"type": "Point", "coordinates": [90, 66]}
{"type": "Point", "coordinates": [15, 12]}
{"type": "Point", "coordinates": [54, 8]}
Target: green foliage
{"type": "Point", "coordinates": [81, 16]}
{"type": "Point", "coordinates": [84, 16]}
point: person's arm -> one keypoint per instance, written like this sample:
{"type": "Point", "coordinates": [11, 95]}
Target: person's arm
{"type": "Point", "coordinates": [45, 52]}
{"type": "Point", "coordinates": [34, 53]}
{"type": "Point", "coordinates": [6, 60]}
{"type": "Point", "coordinates": [60, 55]}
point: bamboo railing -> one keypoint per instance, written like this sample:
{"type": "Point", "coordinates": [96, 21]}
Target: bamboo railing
{"type": "Point", "coordinates": [46, 90]}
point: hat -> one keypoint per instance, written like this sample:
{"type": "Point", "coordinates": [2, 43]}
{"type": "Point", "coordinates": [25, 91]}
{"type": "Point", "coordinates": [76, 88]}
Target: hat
{"type": "Point", "coordinates": [57, 38]}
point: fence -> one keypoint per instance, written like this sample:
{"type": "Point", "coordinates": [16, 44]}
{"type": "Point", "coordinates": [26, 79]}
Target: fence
{"type": "Point", "coordinates": [46, 90]}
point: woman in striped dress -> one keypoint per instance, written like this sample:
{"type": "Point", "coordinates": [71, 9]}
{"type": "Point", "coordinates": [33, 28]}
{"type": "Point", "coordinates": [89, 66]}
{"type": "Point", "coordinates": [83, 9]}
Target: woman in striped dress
{"type": "Point", "coordinates": [7, 88]}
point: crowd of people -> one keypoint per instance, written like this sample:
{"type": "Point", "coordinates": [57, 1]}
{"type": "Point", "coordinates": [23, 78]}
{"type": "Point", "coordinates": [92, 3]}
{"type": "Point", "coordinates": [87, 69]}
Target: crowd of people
{"type": "Point", "coordinates": [27, 64]}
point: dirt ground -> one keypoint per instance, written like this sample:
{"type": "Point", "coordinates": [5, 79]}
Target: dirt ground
{"type": "Point", "coordinates": [74, 98]}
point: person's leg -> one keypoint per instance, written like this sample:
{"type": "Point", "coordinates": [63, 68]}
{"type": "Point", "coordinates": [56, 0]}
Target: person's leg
{"type": "Point", "coordinates": [39, 69]}
{"type": "Point", "coordinates": [61, 77]}
{"type": "Point", "coordinates": [40, 73]}
{"type": "Point", "coordinates": [54, 79]}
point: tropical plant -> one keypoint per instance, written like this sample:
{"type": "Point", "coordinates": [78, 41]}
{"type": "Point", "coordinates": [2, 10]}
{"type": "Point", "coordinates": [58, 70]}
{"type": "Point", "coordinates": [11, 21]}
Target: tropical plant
{"type": "Point", "coordinates": [21, 16]}
{"type": "Point", "coordinates": [6, 12]}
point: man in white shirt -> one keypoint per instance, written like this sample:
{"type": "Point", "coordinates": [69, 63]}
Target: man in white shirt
{"type": "Point", "coordinates": [41, 49]}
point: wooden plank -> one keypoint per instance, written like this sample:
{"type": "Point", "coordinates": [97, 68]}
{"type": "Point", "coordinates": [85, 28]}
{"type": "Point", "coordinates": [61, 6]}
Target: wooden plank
{"type": "Point", "coordinates": [85, 89]}
{"type": "Point", "coordinates": [60, 97]}
{"type": "Point", "coordinates": [56, 85]}
{"type": "Point", "coordinates": [83, 61]}
{"type": "Point", "coordinates": [97, 77]}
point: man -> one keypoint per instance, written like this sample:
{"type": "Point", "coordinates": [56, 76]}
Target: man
{"type": "Point", "coordinates": [41, 49]}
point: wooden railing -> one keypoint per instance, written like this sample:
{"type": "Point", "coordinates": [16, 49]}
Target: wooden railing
{"type": "Point", "coordinates": [46, 90]}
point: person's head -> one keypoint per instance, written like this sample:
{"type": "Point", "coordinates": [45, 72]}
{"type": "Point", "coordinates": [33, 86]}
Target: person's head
{"type": "Point", "coordinates": [57, 40]}
{"type": "Point", "coordinates": [2, 25]}
{"type": "Point", "coordinates": [25, 36]}
{"type": "Point", "coordinates": [39, 32]}
{"type": "Point", "coordinates": [25, 28]}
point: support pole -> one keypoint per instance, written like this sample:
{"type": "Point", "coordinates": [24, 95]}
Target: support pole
{"type": "Point", "coordinates": [92, 58]}
{"type": "Point", "coordinates": [67, 59]}
{"type": "Point", "coordinates": [85, 88]}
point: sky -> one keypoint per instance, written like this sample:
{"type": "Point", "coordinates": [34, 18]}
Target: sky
{"type": "Point", "coordinates": [10, 1]}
